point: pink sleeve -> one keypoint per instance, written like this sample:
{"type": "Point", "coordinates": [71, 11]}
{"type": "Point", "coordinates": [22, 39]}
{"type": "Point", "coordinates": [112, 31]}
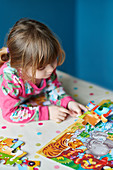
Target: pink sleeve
{"type": "Point", "coordinates": [14, 112]}
{"type": "Point", "coordinates": [12, 108]}
{"type": "Point", "coordinates": [43, 113]}
{"type": "Point", "coordinates": [66, 100]}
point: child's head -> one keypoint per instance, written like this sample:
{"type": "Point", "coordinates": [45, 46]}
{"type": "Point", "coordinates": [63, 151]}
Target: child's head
{"type": "Point", "coordinates": [32, 45]}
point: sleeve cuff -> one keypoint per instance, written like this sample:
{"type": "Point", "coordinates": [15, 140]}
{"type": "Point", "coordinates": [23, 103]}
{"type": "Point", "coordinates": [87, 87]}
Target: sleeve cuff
{"type": "Point", "coordinates": [43, 113]}
{"type": "Point", "coordinates": [66, 100]}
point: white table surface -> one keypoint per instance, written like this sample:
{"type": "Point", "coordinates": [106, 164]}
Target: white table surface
{"type": "Point", "coordinates": [36, 135]}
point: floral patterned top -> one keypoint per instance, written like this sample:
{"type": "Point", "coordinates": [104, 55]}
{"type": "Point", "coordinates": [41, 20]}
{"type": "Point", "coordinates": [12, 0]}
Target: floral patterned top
{"type": "Point", "coordinates": [22, 102]}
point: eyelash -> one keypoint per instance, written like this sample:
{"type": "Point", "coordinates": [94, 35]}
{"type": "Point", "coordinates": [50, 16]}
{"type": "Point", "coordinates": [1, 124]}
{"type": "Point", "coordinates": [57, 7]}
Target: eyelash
{"type": "Point", "coordinates": [42, 68]}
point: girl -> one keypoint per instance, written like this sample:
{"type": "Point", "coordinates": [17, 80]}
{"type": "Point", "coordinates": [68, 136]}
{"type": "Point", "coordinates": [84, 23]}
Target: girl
{"type": "Point", "coordinates": [34, 53]}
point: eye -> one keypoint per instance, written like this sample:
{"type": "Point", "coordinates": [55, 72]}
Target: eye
{"type": "Point", "coordinates": [42, 68]}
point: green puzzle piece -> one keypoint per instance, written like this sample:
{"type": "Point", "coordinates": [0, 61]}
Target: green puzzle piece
{"type": "Point", "coordinates": [9, 159]}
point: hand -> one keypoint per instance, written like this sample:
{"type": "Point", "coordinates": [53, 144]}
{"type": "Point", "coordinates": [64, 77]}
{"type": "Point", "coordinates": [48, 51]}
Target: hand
{"type": "Point", "coordinates": [76, 108]}
{"type": "Point", "coordinates": [58, 113]}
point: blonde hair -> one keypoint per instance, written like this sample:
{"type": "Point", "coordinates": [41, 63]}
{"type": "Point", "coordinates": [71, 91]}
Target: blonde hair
{"type": "Point", "coordinates": [32, 44]}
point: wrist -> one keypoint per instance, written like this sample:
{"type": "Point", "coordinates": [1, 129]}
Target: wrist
{"type": "Point", "coordinates": [65, 101]}
{"type": "Point", "coordinates": [50, 110]}
{"type": "Point", "coordinates": [70, 104]}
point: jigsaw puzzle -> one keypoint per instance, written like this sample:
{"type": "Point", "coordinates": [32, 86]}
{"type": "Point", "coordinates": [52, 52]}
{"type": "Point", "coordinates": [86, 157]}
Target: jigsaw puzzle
{"type": "Point", "coordinates": [85, 145]}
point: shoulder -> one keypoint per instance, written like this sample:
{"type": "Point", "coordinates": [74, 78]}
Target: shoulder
{"type": "Point", "coordinates": [8, 71]}
{"type": "Point", "coordinates": [9, 80]}
{"type": "Point", "coordinates": [9, 74]}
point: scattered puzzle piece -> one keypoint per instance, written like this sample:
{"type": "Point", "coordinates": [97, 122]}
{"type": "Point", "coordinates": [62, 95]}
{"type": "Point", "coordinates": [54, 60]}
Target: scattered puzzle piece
{"type": "Point", "coordinates": [10, 151]}
{"type": "Point", "coordinates": [28, 164]}
{"type": "Point", "coordinates": [11, 154]}
{"type": "Point", "coordinates": [31, 163]}
{"type": "Point", "coordinates": [12, 143]}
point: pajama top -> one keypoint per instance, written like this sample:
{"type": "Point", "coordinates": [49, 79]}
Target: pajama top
{"type": "Point", "coordinates": [14, 92]}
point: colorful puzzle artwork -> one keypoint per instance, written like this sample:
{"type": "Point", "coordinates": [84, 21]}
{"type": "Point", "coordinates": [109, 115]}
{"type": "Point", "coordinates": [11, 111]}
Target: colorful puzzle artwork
{"type": "Point", "coordinates": [39, 99]}
{"type": "Point", "coordinates": [28, 165]}
{"type": "Point", "coordinates": [83, 145]}
{"type": "Point", "coordinates": [10, 151]}
{"type": "Point", "coordinates": [11, 154]}
{"type": "Point", "coordinates": [97, 113]}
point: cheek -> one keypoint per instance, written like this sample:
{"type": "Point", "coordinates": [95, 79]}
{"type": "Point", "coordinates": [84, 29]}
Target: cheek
{"type": "Point", "coordinates": [29, 72]}
{"type": "Point", "coordinates": [40, 74]}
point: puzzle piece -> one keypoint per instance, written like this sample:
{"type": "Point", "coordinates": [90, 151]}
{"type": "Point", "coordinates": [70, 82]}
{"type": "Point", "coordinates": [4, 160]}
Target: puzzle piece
{"type": "Point", "coordinates": [10, 157]}
{"type": "Point", "coordinates": [28, 164]}
{"type": "Point", "coordinates": [31, 163]}
{"type": "Point", "coordinates": [9, 160]}
{"type": "Point", "coordinates": [12, 143]}
{"type": "Point", "coordinates": [97, 113]}
{"type": "Point", "coordinates": [10, 151]}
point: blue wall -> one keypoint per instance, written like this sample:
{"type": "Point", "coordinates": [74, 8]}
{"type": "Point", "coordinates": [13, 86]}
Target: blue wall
{"type": "Point", "coordinates": [94, 41]}
{"type": "Point", "coordinates": [84, 28]}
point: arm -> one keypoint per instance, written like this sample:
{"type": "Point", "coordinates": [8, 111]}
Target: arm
{"type": "Point", "coordinates": [11, 88]}
{"type": "Point", "coordinates": [56, 93]}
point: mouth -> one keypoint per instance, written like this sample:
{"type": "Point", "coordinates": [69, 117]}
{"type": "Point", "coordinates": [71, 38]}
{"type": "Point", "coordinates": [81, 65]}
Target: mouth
{"type": "Point", "coordinates": [48, 74]}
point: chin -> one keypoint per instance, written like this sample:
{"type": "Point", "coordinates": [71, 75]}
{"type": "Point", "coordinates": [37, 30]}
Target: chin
{"type": "Point", "coordinates": [47, 77]}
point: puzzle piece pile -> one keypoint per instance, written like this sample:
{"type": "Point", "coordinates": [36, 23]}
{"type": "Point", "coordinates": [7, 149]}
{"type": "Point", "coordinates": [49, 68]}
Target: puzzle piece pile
{"type": "Point", "coordinates": [97, 113]}
{"type": "Point", "coordinates": [11, 154]}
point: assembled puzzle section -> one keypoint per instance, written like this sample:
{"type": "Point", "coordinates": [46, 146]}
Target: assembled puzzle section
{"type": "Point", "coordinates": [97, 113]}
{"type": "Point", "coordinates": [85, 146]}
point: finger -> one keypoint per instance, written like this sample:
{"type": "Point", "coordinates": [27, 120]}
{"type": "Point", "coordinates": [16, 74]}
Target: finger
{"type": "Point", "coordinates": [74, 114]}
{"type": "Point", "coordinates": [62, 114]}
{"type": "Point", "coordinates": [61, 118]}
{"type": "Point", "coordinates": [58, 120]}
{"type": "Point", "coordinates": [62, 109]}
{"type": "Point", "coordinates": [83, 107]}
{"type": "Point", "coordinates": [77, 111]}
